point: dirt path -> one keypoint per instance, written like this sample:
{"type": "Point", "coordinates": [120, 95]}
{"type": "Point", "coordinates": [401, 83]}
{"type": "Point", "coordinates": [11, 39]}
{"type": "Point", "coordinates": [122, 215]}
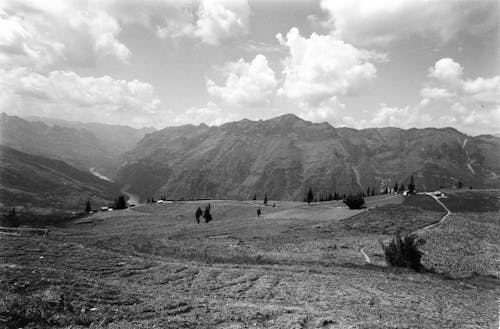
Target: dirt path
{"type": "Point", "coordinates": [367, 259]}
{"type": "Point", "coordinates": [448, 213]}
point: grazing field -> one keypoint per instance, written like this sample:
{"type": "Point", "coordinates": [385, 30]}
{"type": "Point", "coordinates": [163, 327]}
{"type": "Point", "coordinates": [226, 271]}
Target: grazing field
{"type": "Point", "coordinates": [472, 200]}
{"type": "Point", "coordinates": [297, 266]}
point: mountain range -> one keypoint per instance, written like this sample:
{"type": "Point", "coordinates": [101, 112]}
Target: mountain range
{"type": "Point", "coordinates": [282, 157]}
{"type": "Point", "coordinates": [82, 145]}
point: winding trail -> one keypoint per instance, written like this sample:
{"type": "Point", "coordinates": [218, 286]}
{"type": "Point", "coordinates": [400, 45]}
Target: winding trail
{"type": "Point", "coordinates": [448, 213]}
{"type": "Point", "coordinates": [420, 230]}
{"type": "Point", "coordinates": [367, 259]}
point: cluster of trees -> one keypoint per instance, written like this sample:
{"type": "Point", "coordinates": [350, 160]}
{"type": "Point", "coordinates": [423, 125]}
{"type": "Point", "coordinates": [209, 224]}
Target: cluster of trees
{"type": "Point", "coordinates": [12, 219]}
{"type": "Point", "coordinates": [206, 214]}
{"type": "Point", "coordinates": [152, 199]}
{"type": "Point", "coordinates": [325, 196]}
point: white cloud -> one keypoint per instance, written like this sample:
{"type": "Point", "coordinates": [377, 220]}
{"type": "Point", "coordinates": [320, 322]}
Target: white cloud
{"type": "Point", "coordinates": [371, 22]}
{"type": "Point", "coordinates": [66, 95]}
{"type": "Point", "coordinates": [447, 71]}
{"type": "Point", "coordinates": [323, 66]}
{"type": "Point", "coordinates": [469, 104]}
{"type": "Point", "coordinates": [246, 84]}
{"type": "Point", "coordinates": [211, 115]}
{"type": "Point", "coordinates": [210, 21]}
{"type": "Point", "coordinates": [41, 34]}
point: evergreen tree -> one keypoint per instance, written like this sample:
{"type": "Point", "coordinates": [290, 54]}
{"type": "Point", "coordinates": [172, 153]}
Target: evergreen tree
{"type": "Point", "coordinates": [330, 197]}
{"type": "Point", "coordinates": [265, 199]}
{"type": "Point", "coordinates": [402, 188]}
{"type": "Point", "coordinates": [309, 196]}
{"type": "Point", "coordinates": [198, 214]}
{"type": "Point", "coordinates": [121, 203]}
{"type": "Point", "coordinates": [460, 184]}
{"type": "Point", "coordinates": [12, 219]}
{"type": "Point", "coordinates": [386, 191]}
{"type": "Point", "coordinates": [396, 187]}
{"type": "Point", "coordinates": [88, 208]}
{"type": "Point", "coordinates": [373, 191]}
{"type": "Point", "coordinates": [255, 196]}
{"type": "Point", "coordinates": [207, 215]}
{"type": "Point", "coordinates": [368, 191]}
{"type": "Point", "coordinates": [411, 186]}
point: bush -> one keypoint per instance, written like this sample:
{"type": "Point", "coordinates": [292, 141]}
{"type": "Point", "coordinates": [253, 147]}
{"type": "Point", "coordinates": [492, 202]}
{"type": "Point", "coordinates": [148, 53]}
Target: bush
{"type": "Point", "coordinates": [404, 252]}
{"type": "Point", "coordinates": [354, 201]}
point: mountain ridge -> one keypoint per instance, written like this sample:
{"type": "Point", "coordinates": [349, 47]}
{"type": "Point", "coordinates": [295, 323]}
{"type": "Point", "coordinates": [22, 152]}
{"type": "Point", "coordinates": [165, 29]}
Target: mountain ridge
{"type": "Point", "coordinates": [285, 155]}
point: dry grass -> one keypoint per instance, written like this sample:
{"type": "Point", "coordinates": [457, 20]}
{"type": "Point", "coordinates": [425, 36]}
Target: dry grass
{"type": "Point", "coordinates": [298, 267]}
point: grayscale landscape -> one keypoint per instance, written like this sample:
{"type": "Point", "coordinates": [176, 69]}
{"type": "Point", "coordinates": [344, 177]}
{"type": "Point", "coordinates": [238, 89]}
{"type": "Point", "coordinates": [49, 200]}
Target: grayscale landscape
{"type": "Point", "coordinates": [249, 164]}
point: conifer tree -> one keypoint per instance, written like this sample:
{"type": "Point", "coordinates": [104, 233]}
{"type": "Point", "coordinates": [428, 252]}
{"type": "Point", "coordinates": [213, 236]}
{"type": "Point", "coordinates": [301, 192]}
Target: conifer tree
{"type": "Point", "coordinates": [396, 187]}
{"type": "Point", "coordinates": [411, 186]}
{"type": "Point", "coordinates": [265, 199]}
{"type": "Point", "coordinates": [255, 196]}
{"type": "Point", "coordinates": [309, 196]}
{"type": "Point", "coordinates": [121, 203]}
{"type": "Point", "coordinates": [88, 208]}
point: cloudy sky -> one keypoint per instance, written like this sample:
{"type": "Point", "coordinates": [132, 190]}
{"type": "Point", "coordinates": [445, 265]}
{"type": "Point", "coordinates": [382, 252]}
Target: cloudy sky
{"type": "Point", "coordinates": [367, 63]}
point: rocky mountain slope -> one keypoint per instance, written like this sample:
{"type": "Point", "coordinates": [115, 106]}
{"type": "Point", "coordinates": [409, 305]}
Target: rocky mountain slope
{"type": "Point", "coordinates": [83, 145]}
{"type": "Point", "coordinates": [39, 182]}
{"type": "Point", "coordinates": [284, 156]}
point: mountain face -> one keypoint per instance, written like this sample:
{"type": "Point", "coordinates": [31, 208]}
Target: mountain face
{"type": "Point", "coordinates": [284, 156]}
{"type": "Point", "coordinates": [43, 183]}
{"type": "Point", "coordinates": [83, 145]}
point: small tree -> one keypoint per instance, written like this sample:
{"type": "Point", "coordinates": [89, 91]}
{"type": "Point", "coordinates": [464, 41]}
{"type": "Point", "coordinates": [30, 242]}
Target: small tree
{"type": "Point", "coordinates": [396, 187]}
{"type": "Point", "coordinates": [368, 191]}
{"type": "Point", "coordinates": [402, 188]}
{"type": "Point", "coordinates": [12, 219]}
{"type": "Point", "coordinates": [265, 199]}
{"type": "Point", "coordinates": [460, 184]}
{"type": "Point", "coordinates": [411, 186]}
{"type": "Point", "coordinates": [255, 196]}
{"type": "Point", "coordinates": [207, 215]}
{"type": "Point", "coordinates": [88, 208]}
{"type": "Point", "coordinates": [309, 196]}
{"type": "Point", "coordinates": [404, 252]}
{"type": "Point", "coordinates": [198, 214]}
{"type": "Point", "coordinates": [121, 203]}
{"type": "Point", "coordinates": [354, 201]}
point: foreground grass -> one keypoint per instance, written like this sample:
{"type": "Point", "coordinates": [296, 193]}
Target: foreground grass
{"type": "Point", "coordinates": [298, 267]}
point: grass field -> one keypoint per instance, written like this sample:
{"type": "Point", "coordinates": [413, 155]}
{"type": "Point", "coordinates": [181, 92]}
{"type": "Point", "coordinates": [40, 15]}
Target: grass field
{"type": "Point", "coordinates": [298, 266]}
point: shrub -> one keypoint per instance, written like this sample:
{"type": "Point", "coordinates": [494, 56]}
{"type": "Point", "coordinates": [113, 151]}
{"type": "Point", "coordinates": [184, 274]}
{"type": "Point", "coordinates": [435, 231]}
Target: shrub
{"type": "Point", "coordinates": [354, 201]}
{"type": "Point", "coordinates": [403, 252]}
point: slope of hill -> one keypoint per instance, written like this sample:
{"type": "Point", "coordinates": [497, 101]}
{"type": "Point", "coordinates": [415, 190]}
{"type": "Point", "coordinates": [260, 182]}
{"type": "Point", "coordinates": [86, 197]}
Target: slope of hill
{"type": "Point", "coordinates": [35, 181]}
{"type": "Point", "coordinates": [283, 156]}
{"type": "Point", "coordinates": [116, 138]}
{"type": "Point", "coordinates": [83, 145]}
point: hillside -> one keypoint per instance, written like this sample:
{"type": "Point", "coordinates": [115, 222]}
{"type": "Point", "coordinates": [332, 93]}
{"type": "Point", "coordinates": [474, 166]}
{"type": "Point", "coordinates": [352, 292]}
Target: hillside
{"type": "Point", "coordinates": [283, 156]}
{"type": "Point", "coordinates": [34, 181]}
{"type": "Point", "coordinates": [83, 145]}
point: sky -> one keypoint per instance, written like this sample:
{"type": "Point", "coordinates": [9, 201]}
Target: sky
{"type": "Point", "coordinates": [360, 64]}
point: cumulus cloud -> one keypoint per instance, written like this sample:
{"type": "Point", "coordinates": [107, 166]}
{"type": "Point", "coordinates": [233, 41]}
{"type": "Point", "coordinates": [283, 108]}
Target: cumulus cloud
{"type": "Point", "coordinates": [323, 66]}
{"type": "Point", "coordinates": [209, 21]}
{"type": "Point", "coordinates": [41, 34]}
{"type": "Point", "coordinates": [211, 114]}
{"type": "Point", "coordinates": [66, 95]}
{"type": "Point", "coordinates": [380, 22]}
{"type": "Point", "coordinates": [469, 104]}
{"type": "Point", "coordinates": [246, 84]}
